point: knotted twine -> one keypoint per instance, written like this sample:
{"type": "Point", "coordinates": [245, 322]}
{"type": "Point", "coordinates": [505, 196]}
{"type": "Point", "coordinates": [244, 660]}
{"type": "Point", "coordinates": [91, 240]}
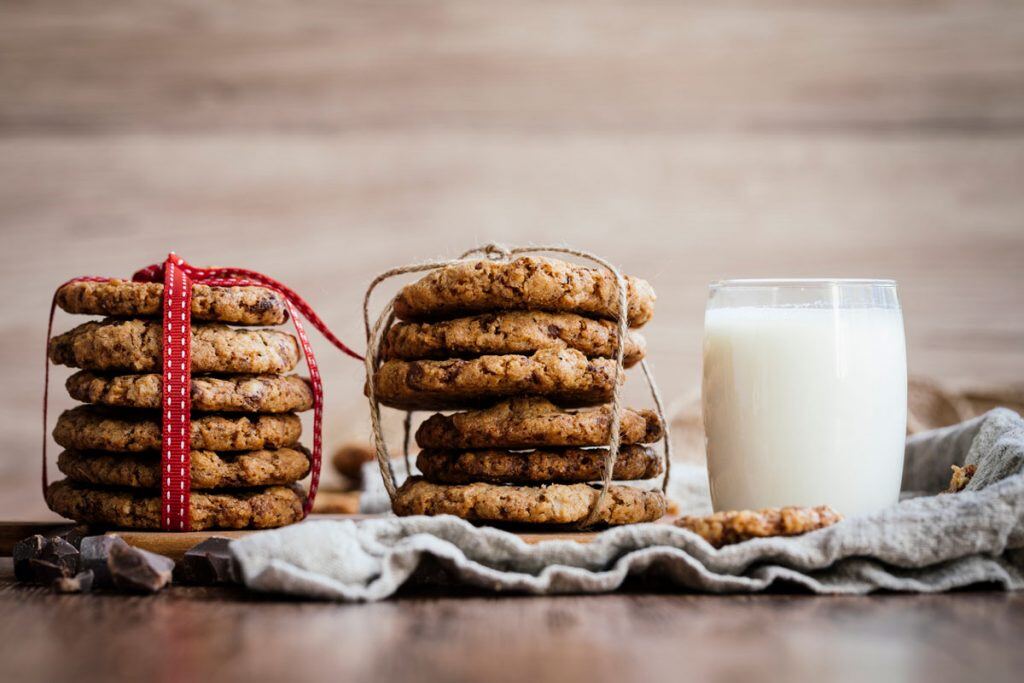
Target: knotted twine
{"type": "Point", "coordinates": [376, 335]}
{"type": "Point", "coordinates": [178, 277]}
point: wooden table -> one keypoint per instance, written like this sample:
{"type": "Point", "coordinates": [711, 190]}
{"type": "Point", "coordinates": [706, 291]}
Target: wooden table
{"type": "Point", "coordinates": [226, 635]}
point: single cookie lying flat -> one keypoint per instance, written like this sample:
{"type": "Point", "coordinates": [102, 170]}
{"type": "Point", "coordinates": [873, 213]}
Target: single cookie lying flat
{"type": "Point", "coordinates": [725, 528]}
{"type": "Point", "coordinates": [563, 375]}
{"type": "Point", "coordinates": [563, 466]}
{"type": "Point", "coordinates": [209, 470]}
{"type": "Point", "coordinates": [236, 305]}
{"type": "Point", "coordinates": [135, 345]}
{"type": "Point", "coordinates": [535, 423]}
{"type": "Point", "coordinates": [92, 428]}
{"type": "Point", "coordinates": [553, 504]}
{"type": "Point", "coordinates": [239, 393]}
{"type": "Point", "coordinates": [519, 332]}
{"type": "Point", "coordinates": [526, 283]}
{"type": "Point", "coordinates": [267, 508]}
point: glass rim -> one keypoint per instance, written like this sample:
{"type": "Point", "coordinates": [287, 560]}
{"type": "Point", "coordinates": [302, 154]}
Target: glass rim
{"type": "Point", "coordinates": [768, 283]}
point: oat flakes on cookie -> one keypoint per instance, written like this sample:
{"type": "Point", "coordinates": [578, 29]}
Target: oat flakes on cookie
{"type": "Point", "coordinates": [124, 298]}
{"type": "Point", "coordinates": [136, 345]}
{"type": "Point", "coordinates": [563, 375]}
{"type": "Point", "coordinates": [526, 283]}
{"type": "Point", "coordinates": [209, 470]}
{"type": "Point", "coordinates": [266, 508]}
{"type": "Point", "coordinates": [233, 394]}
{"type": "Point", "coordinates": [512, 332]}
{"type": "Point", "coordinates": [541, 466]}
{"type": "Point", "coordinates": [725, 528]}
{"type": "Point", "coordinates": [101, 429]}
{"type": "Point", "coordinates": [552, 504]}
{"type": "Point", "coordinates": [535, 423]}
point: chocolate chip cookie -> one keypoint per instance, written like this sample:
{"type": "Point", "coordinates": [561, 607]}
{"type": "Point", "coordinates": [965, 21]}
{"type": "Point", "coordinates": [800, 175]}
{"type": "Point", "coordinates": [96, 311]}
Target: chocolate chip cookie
{"type": "Point", "coordinates": [238, 393]}
{"type": "Point", "coordinates": [135, 346]}
{"type": "Point", "coordinates": [209, 470]}
{"type": "Point", "coordinates": [553, 504]}
{"type": "Point", "coordinates": [100, 429]}
{"type": "Point", "coordinates": [526, 283]}
{"type": "Point", "coordinates": [542, 466]}
{"type": "Point", "coordinates": [534, 423]}
{"type": "Point", "coordinates": [267, 508]}
{"type": "Point", "coordinates": [563, 375]}
{"type": "Point", "coordinates": [736, 526]}
{"type": "Point", "coordinates": [518, 332]}
{"type": "Point", "coordinates": [124, 298]}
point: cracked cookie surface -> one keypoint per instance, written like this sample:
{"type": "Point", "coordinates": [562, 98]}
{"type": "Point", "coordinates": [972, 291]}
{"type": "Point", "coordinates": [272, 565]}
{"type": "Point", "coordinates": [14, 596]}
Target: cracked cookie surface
{"type": "Point", "coordinates": [552, 504]}
{"type": "Point", "coordinates": [274, 506]}
{"type": "Point", "coordinates": [561, 466]}
{"type": "Point", "coordinates": [736, 526]}
{"type": "Point", "coordinates": [101, 429]}
{"type": "Point", "coordinates": [535, 423]}
{"type": "Point", "coordinates": [563, 375]}
{"type": "Point", "coordinates": [135, 346]}
{"type": "Point", "coordinates": [239, 393]}
{"type": "Point", "coordinates": [209, 470]}
{"type": "Point", "coordinates": [525, 283]}
{"type": "Point", "coordinates": [125, 298]}
{"type": "Point", "coordinates": [516, 332]}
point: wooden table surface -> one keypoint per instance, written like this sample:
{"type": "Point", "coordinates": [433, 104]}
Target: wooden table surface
{"type": "Point", "coordinates": [325, 141]}
{"type": "Point", "coordinates": [190, 633]}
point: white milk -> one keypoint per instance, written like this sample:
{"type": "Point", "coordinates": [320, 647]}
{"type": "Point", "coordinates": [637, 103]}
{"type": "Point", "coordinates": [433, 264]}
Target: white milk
{"type": "Point", "coordinates": [805, 406]}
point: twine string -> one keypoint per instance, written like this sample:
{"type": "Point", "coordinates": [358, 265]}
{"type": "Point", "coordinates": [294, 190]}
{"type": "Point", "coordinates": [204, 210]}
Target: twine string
{"type": "Point", "coordinates": [376, 335]}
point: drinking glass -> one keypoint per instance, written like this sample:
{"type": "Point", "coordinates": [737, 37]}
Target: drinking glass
{"type": "Point", "coordinates": [804, 394]}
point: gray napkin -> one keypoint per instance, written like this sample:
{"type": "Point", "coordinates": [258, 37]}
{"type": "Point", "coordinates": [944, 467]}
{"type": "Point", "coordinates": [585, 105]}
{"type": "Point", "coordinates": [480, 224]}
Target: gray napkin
{"type": "Point", "coordinates": [927, 543]}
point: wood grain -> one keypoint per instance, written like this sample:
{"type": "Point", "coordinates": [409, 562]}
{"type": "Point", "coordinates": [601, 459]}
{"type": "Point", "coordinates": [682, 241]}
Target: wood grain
{"type": "Point", "coordinates": [323, 142]}
{"type": "Point", "coordinates": [204, 632]}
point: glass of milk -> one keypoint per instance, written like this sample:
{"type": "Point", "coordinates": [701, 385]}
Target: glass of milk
{"type": "Point", "coordinates": [804, 394]}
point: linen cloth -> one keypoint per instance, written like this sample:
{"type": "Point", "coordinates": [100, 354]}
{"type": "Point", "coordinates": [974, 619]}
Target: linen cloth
{"type": "Point", "coordinates": [929, 542]}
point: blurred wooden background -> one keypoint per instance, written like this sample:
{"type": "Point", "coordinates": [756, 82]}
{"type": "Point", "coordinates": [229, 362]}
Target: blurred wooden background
{"type": "Point", "coordinates": [322, 142]}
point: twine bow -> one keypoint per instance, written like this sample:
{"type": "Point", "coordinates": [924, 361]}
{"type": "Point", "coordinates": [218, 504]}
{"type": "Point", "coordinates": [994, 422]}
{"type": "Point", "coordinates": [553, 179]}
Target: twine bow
{"type": "Point", "coordinates": [376, 335]}
{"type": "Point", "coordinates": [178, 277]}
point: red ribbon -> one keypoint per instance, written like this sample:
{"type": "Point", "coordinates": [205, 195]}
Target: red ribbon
{"type": "Point", "coordinates": [178, 277]}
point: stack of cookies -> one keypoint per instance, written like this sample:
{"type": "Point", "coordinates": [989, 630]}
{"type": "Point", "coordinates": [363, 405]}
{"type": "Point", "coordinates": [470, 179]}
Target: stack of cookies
{"type": "Point", "coordinates": [245, 452]}
{"type": "Point", "coordinates": [525, 349]}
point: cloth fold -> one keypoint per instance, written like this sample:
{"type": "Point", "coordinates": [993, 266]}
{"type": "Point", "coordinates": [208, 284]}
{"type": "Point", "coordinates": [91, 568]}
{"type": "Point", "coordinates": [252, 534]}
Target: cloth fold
{"type": "Point", "coordinates": [926, 543]}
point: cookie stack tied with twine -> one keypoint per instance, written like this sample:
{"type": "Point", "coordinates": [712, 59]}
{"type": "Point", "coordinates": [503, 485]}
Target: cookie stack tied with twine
{"type": "Point", "coordinates": [532, 353]}
{"type": "Point", "coordinates": [245, 456]}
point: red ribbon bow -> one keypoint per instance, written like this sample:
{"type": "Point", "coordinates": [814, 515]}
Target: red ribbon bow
{"type": "Point", "coordinates": [177, 278]}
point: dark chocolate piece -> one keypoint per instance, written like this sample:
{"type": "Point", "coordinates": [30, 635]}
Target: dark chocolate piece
{"type": "Point", "coordinates": [138, 570]}
{"type": "Point", "coordinates": [95, 550]}
{"type": "Point", "coordinates": [59, 552]}
{"type": "Point", "coordinates": [41, 571]}
{"type": "Point", "coordinates": [75, 535]}
{"type": "Point", "coordinates": [79, 583]}
{"type": "Point", "coordinates": [210, 562]}
{"type": "Point", "coordinates": [24, 550]}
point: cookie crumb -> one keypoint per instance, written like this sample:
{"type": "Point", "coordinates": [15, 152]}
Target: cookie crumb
{"type": "Point", "coordinates": [961, 477]}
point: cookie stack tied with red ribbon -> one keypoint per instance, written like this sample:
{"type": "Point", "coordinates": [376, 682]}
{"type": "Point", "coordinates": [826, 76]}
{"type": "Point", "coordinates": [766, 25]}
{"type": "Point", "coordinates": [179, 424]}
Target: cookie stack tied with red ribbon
{"type": "Point", "coordinates": [244, 455]}
{"type": "Point", "coordinates": [526, 350]}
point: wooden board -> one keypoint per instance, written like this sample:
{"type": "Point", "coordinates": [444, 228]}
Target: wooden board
{"type": "Point", "coordinates": [174, 545]}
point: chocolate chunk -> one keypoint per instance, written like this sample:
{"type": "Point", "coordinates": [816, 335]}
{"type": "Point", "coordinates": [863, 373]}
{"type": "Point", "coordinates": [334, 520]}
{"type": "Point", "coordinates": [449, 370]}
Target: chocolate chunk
{"type": "Point", "coordinates": [59, 552]}
{"type": "Point", "coordinates": [79, 583]}
{"type": "Point", "coordinates": [95, 550]}
{"type": "Point", "coordinates": [75, 535]}
{"type": "Point", "coordinates": [138, 570]}
{"type": "Point", "coordinates": [210, 562]}
{"type": "Point", "coordinates": [24, 550]}
{"type": "Point", "coordinates": [41, 571]}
